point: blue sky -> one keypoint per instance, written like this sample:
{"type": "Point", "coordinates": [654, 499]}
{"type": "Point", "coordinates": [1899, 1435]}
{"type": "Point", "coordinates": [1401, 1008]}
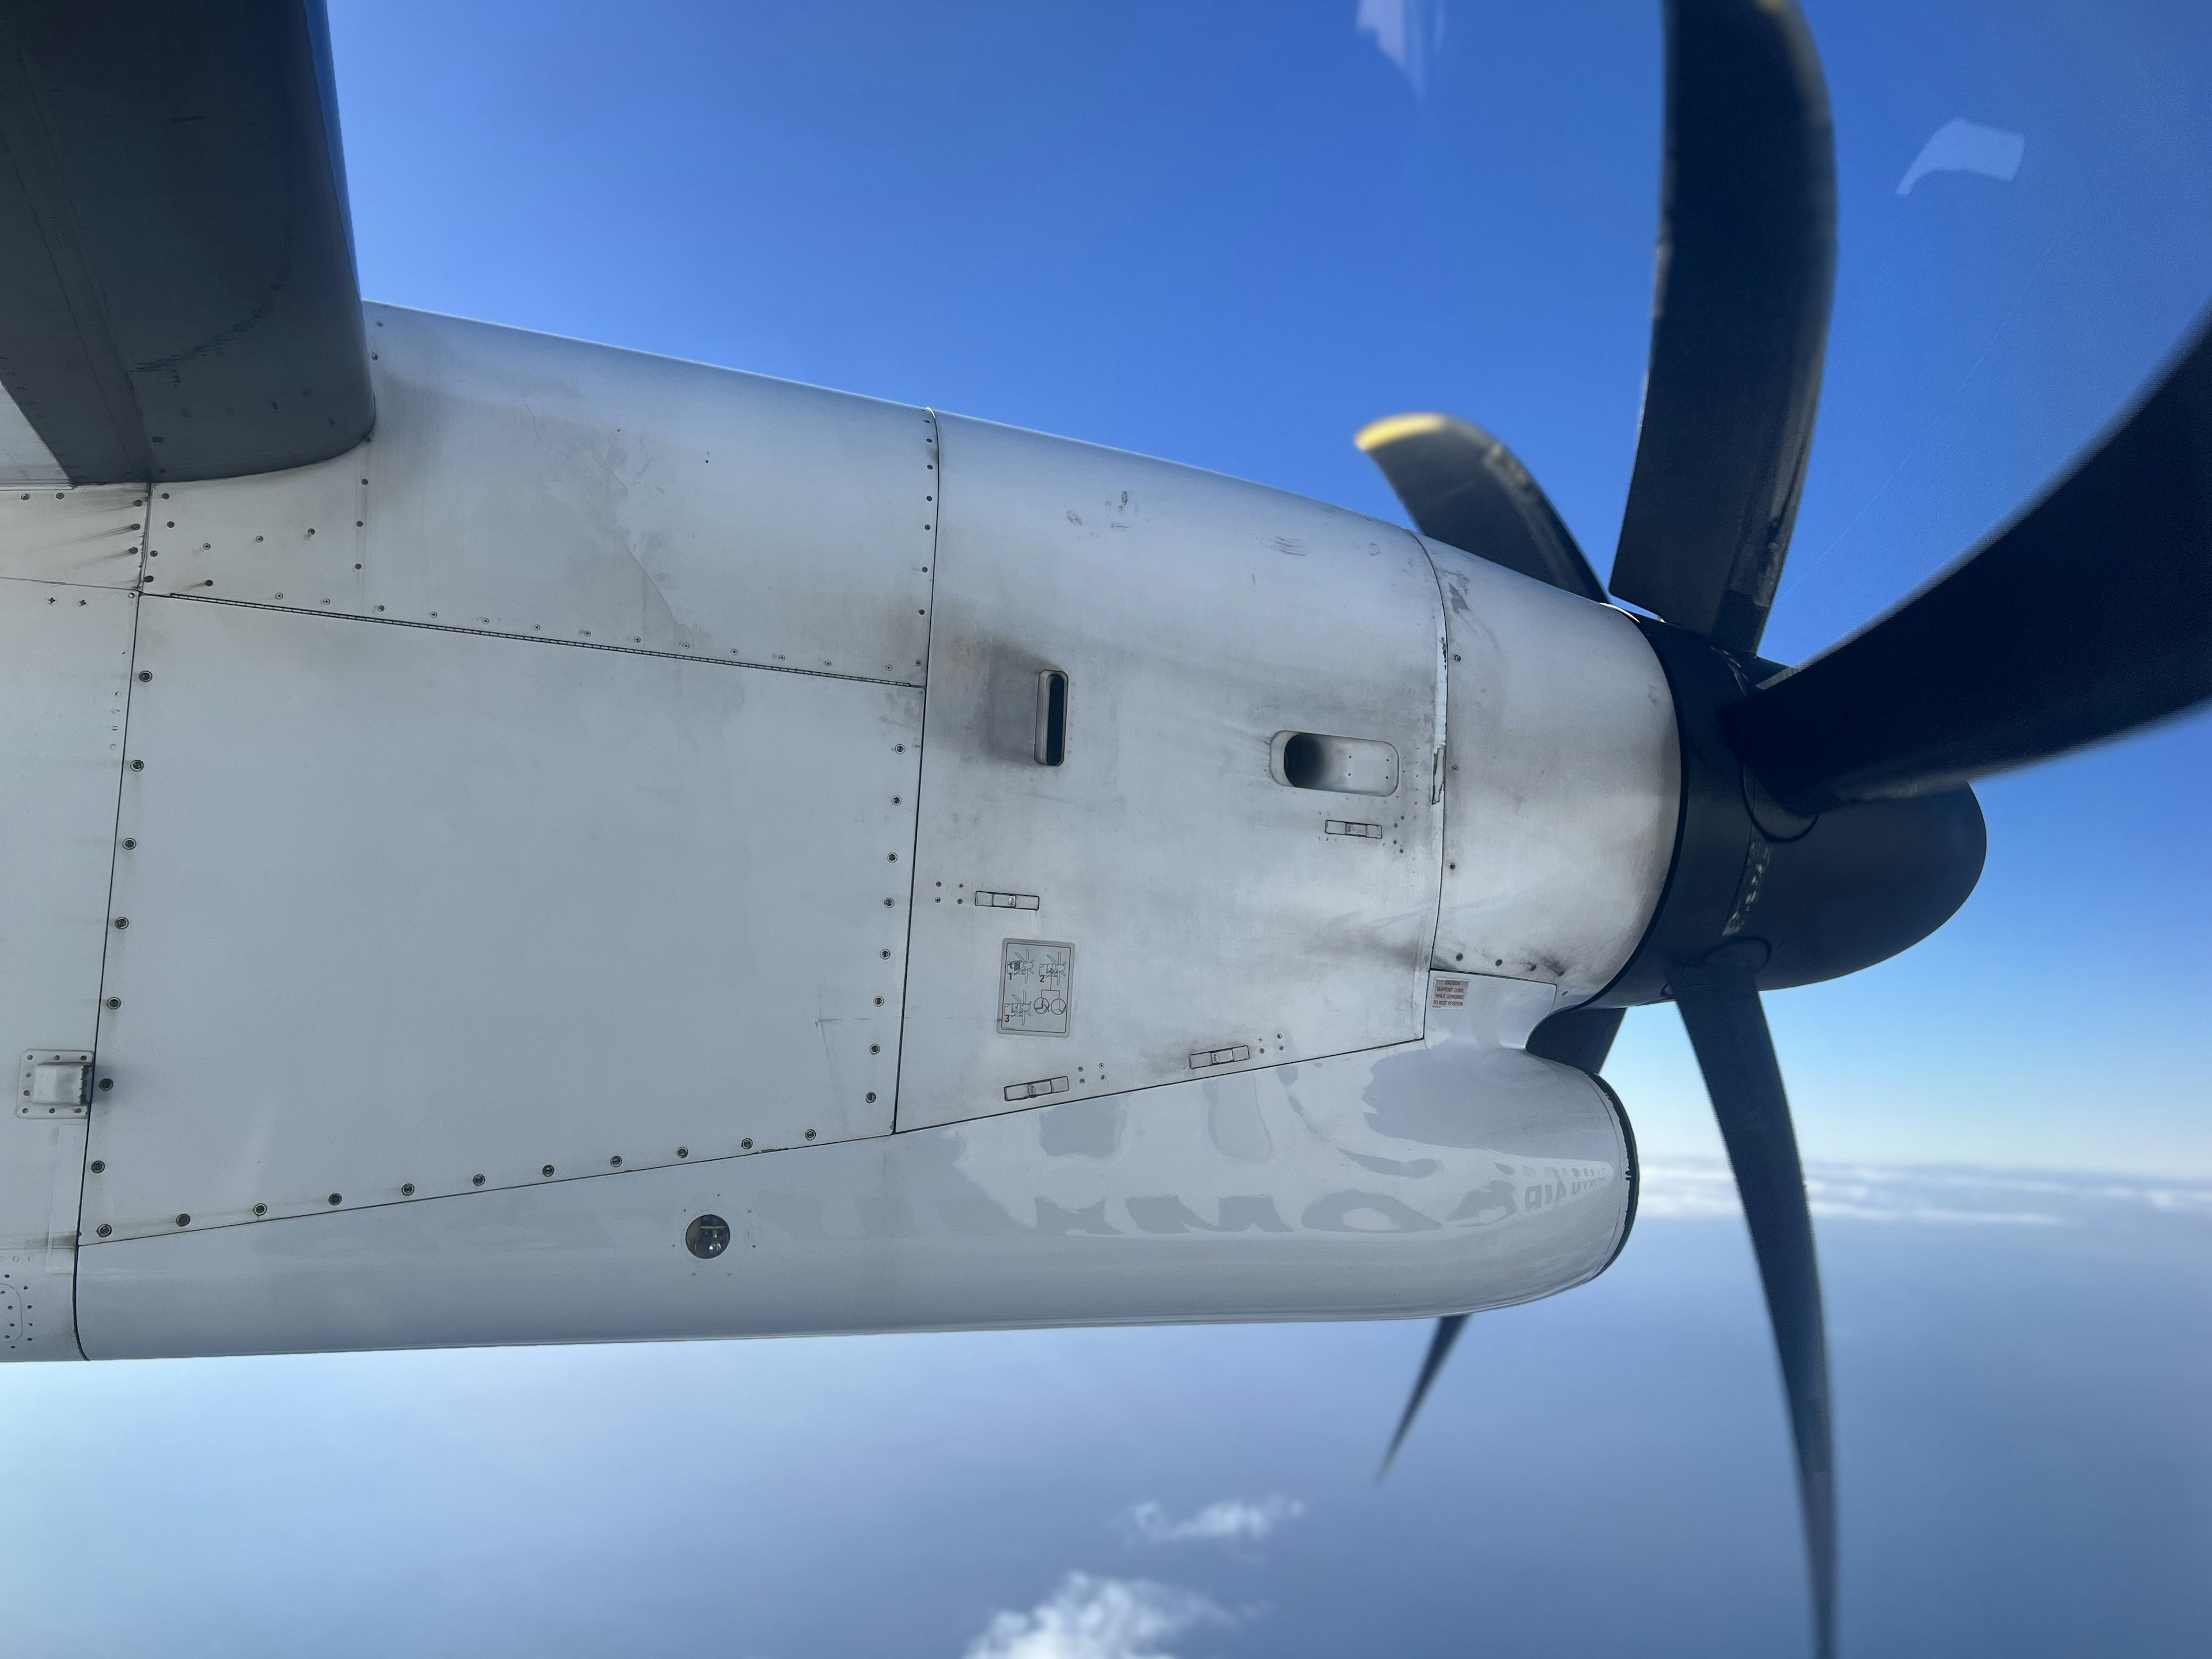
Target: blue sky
{"type": "Point", "coordinates": [1230, 234]}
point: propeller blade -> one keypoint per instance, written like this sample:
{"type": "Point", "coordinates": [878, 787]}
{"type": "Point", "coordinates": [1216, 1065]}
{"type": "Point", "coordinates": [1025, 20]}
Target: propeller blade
{"type": "Point", "coordinates": [1720, 1005]}
{"type": "Point", "coordinates": [1746, 267]}
{"type": "Point", "coordinates": [1440, 1347]}
{"type": "Point", "coordinates": [1464, 487]}
{"type": "Point", "coordinates": [2087, 616]}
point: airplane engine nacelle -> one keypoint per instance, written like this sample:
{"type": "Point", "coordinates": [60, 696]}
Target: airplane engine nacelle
{"type": "Point", "coordinates": [638, 850]}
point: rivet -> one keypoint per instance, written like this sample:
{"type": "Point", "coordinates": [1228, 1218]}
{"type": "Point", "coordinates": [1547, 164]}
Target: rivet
{"type": "Point", "coordinates": [548, 1169]}
{"type": "Point", "coordinates": [103, 1229]}
{"type": "Point", "coordinates": [100, 1166]}
{"type": "Point", "coordinates": [337, 1198]}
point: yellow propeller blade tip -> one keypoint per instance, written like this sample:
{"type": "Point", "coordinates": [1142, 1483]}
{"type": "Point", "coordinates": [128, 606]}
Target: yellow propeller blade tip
{"type": "Point", "coordinates": [1375, 434]}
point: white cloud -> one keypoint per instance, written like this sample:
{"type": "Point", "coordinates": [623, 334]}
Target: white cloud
{"type": "Point", "coordinates": [1088, 1618]}
{"type": "Point", "coordinates": [1688, 1190]}
{"type": "Point", "coordinates": [1232, 1521]}
{"type": "Point", "coordinates": [1964, 146]}
{"type": "Point", "coordinates": [1409, 33]}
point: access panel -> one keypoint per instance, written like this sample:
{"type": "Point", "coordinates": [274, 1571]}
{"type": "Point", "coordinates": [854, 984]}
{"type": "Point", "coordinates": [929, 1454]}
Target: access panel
{"type": "Point", "coordinates": [401, 913]}
{"type": "Point", "coordinates": [1180, 804]}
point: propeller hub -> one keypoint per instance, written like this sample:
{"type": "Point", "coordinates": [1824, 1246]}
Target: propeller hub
{"type": "Point", "coordinates": [1791, 897]}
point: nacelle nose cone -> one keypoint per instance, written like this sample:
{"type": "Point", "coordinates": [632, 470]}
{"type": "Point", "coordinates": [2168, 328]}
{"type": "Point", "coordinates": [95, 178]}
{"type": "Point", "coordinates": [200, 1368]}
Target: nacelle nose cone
{"type": "Point", "coordinates": [1802, 898]}
{"type": "Point", "coordinates": [1864, 883]}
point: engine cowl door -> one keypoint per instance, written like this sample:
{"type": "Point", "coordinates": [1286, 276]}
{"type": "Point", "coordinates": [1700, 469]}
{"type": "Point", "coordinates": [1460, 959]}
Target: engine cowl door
{"type": "Point", "coordinates": [1177, 810]}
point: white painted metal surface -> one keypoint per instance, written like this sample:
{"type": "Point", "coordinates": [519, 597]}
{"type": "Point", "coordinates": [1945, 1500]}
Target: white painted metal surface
{"type": "Point", "coordinates": [1205, 904]}
{"type": "Point", "coordinates": [518, 483]}
{"type": "Point", "coordinates": [524, 816]}
{"type": "Point", "coordinates": [409, 907]}
{"type": "Point", "coordinates": [91, 536]}
{"type": "Point", "coordinates": [1427, 1178]}
{"type": "Point", "coordinates": [65, 674]}
{"type": "Point", "coordinates": [24, 457]}
{"type": "Point", "coordinates": [1562, 781]}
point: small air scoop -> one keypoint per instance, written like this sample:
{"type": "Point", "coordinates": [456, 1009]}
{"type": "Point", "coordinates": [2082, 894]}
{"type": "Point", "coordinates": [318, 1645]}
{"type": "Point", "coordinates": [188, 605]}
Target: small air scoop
{"type": "Point", "coordinates": [1347, 766]}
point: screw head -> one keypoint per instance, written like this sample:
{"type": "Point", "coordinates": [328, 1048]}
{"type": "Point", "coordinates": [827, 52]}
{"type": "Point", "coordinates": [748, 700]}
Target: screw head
{"type": "Point", "coordinates": [114, 1003]}
{"type": "Point", "coordinates": [144, 675]}
{"type": "Point", "coordinates": [122, 922]}
{"type": "Point", "coordinates": [548, 1170]}
{"type": "Point", "coordinates": [130, 842]}
{"type": "Point", "coordinates": [184, 1219]}
{"type": "Point", "coordinates": [747, 1143]}
{"type": "Point", "coordinates": [615, 1162]}
{"type": "Point", "coordinates": [810, 1133]}
{"type": "Point", "coordinates": [406, 1189]}
{"type": "Point", "coordinates": [261, 1209]}
{"type": "Point", "coordinates": [100, 1166]}
{"type": "Point", "coordinates": [875, 1048]}
{"type": "Point", "coordinates": [337, 1198]}
{"type": "Point", "coordinates": [106, 1084]}
{"type": "Point", "coordinates": [475, 1181]}
{"type": "Point", "coordinates": [137, 766]}
{"type": "Point", "coordinates": [683, 1152]}
{"type": "Point", "coordinates": [103, 1229]}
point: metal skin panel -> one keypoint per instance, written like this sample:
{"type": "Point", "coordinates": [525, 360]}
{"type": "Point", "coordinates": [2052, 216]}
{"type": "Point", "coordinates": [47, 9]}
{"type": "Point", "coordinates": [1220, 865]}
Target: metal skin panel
{"type": "Point", "coordinates": [1562, 782]}
{"type": "Point", "coordinates": [24, 457]}
{"type": "Point", "coordinates": [1208, 906]}
{"type": "Point", "coordinates": [64, 679]}
{"type": "Point", "coordinates": [414, 906]}
{"type": "Point", "coordinates": [518, 483]}
{"type": "Point", "coordinates": [92, 535]}
{"type": "Point", "coordinates": [1421, 1179]}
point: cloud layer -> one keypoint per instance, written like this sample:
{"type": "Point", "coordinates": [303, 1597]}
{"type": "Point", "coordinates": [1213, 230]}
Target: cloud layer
{"type": "Point", "coordinates": [1088, 1618]}
{"type": "Point", "coordinates": [1691, 1189]}
{"type": "Point", "coordinates": [1232, 1521]}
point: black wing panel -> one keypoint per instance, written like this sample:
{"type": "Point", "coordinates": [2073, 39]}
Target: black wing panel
{"type": "Point", "coordinates": [178, 296]}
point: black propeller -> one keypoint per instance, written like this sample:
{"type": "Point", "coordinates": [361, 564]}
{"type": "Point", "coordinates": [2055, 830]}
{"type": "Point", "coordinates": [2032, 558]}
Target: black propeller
{"type": "Point", "coordinates": [1824, 825]}
{"type": "Point", "coordinates": [2089, 616]}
